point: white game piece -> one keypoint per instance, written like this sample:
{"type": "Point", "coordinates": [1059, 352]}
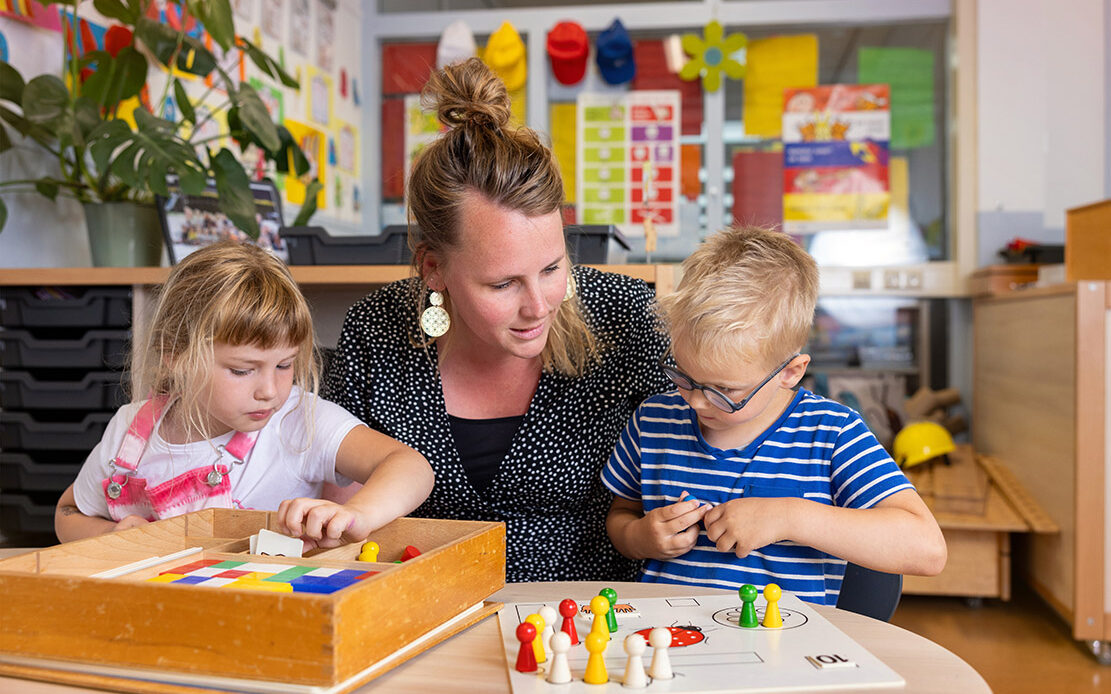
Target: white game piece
{"type": "Point", "coordinates": [548, 614]}
{"type": "Point", "coordinates": [635, 645]}
{"type": "Point", "coordinates": [278, 545]}
{"type": "Point", "coordinates": [559, 672]}
{"type": "Point", "coordinates": [660, 639]}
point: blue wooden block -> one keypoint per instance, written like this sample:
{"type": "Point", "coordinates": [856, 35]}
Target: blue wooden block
{"type": "Point", "coordinates": [192, 580]}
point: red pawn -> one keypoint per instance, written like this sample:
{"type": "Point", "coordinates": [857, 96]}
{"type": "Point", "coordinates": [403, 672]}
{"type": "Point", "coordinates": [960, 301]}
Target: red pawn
{"type": "Point", "coordinates": [526, 657]}
{"type": "Point", "coordinates": [569, 608]}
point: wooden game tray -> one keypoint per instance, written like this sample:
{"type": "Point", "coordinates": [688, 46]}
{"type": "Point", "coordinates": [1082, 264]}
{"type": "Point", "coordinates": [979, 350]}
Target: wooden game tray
{"type": "Point", "coordinates": [57, 616]}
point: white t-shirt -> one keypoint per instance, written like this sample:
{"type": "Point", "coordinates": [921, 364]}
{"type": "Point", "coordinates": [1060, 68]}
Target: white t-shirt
{"type": "Point", "coordinates": [285, 463]}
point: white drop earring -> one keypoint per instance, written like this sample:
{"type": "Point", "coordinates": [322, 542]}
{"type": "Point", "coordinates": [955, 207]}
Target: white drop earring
{"type": "Point", "coordinates": [435, 320]}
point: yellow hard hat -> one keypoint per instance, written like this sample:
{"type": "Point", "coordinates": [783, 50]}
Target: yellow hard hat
{"type": "Point", "coordinates": [921, 441]}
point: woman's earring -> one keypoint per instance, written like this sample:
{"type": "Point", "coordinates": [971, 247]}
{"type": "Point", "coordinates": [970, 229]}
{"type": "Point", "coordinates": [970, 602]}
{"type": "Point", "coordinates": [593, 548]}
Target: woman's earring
{"type": "Point", "coordinates": [570, 293]}
{"type": "Point", "coordinates": [434, 320]}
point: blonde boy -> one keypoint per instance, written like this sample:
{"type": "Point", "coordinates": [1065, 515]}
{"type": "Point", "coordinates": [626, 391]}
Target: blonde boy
{"type": "Point", "coordinates": [788, 486]}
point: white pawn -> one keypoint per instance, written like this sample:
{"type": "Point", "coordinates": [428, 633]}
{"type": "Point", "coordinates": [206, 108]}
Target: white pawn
{"type": "Point", "coordinates": [548, 614]}
{"type": "Point", "coordinates": [559, 672]}
{"type": "Point", "coordinates": [635, 645]}
{"type": "Point", "coordinates": [660, 639]}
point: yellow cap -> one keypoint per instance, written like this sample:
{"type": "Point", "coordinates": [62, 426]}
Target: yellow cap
{"type": "Point", "coordinates": [921, 441]}
{"type": "Point", "coordinates": [505, 54]}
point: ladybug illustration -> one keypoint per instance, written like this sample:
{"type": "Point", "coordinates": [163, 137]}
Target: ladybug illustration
{"type": "Point", "coordinates": [680, 636]}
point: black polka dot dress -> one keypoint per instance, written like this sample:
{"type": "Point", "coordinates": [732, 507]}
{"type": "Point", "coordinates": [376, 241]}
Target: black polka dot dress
{"type": "Point", "coordinates": [547, 489]}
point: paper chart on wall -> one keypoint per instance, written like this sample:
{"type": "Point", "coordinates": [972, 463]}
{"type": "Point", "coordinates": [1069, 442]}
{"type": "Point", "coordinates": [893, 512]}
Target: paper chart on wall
{"type": "Point", "coordinates": [627, 160]}
{"type": "Point", "coordinates": [421, 128]}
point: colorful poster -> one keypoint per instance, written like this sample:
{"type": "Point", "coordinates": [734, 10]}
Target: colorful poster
{"type": "Point", "coordinates": [627, 161]}
{"type": "Point", "coordinates": [347, 145]}
{"type": "Point", "coordinates": [910, 74]}
{"type": "Point", "coordinates": [835, 157]}
{"type": "Point", "coordinates": [421, 128]}
{"type": "Point", "coordinates": [314, 144]}
{"type": "Point", "coordinates": [31, 12]}
{"type": "Point", "coordinates": [561, 119]}
{"type": "Point", "coordinates": [775, 64]}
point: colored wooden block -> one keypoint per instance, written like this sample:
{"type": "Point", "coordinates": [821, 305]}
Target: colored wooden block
{"type": "Point", "coordinates": [290, 574]}
{"type": "Point", "coordinates": [165, 578]}
{"type": "Point", "coordinates": [255, 584]}
{"type": "Point", "coordinates": [54, 611]}
{"type": "Point", "coordinates": [191, 580]}
{"type": "Point", "coordinates": [232, 573]}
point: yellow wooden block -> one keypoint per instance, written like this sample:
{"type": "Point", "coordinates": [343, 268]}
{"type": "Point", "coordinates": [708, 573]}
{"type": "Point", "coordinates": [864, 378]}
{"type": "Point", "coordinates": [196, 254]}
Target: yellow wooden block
{"type": "Point", "coordinates": [165, 578]}
{"type": "Point", "coordinates": [252, 584]}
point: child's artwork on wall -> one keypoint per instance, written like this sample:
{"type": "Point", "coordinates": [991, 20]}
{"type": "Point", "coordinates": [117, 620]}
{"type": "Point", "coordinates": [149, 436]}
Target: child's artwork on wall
{"type": "Point", "coordinates": [314, 144]}
{"type": "Point", "coordinates": [348, 147]}
{"type": "Point", "coordinates": [272, 13]}
{"type": "Point", "coordinates": [325, 34]}
{"type": "Point", "coordinates": [299, 16]}
{"type": "Point", "coordinates": [319, 87]}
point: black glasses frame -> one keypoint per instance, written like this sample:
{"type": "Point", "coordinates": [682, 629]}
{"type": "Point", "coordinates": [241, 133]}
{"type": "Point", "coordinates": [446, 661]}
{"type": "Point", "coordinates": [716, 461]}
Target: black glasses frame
{"type": "Point", "coordinates": [715, 397]}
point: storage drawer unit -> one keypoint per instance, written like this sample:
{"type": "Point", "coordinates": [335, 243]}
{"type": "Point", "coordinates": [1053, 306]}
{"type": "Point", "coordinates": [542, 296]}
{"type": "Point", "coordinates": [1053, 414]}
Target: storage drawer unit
{"type": "Point", "coordinates": [61, 354]}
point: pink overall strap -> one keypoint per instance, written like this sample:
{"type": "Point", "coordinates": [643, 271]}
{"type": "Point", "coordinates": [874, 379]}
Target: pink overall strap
{"type": "Point", "coordinates": [138, 433]}
{"type": "Point", "coordinates": [241, 444]}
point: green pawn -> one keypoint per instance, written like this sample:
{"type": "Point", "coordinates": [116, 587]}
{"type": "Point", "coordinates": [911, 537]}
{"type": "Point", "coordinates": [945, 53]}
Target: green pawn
{"type": "Point", "coordinates": [611, 617]}
{"type": "Point", "coordinates": [748, 611]}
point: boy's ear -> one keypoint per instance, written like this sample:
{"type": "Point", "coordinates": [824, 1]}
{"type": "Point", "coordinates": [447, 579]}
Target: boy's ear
{"type": "Point", "coordinates": [794, 372]}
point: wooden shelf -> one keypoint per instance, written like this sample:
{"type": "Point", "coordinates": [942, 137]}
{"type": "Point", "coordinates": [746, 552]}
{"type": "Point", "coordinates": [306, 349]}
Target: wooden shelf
{"type": "Point", "coordinates": [315, 275]}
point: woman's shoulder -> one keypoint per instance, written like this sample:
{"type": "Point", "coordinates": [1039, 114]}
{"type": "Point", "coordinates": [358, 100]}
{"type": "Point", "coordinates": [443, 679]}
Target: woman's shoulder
{"type": "Point", "coordinates": [613, 299]}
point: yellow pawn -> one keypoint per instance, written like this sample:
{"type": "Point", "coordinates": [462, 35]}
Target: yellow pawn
{"type": "Point", "coordinates": [537, 645]}
{"type": "Point", "coordinates": [772, 618]}
{"type": "Point", "coordinates": [596, 644]}
{"type": "Point", "coordinates": [369, 552]}
{"type": "Point", "coordinates": [599, 606]}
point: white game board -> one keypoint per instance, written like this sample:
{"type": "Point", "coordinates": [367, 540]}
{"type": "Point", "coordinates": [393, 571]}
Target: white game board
{"type": "Point", "coordinates": [726, 658]}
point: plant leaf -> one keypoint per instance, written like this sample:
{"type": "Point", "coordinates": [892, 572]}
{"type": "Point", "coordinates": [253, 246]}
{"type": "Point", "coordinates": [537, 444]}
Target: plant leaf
{"type": "Point", "coordinates": [234, 189]}
{"type": "Point", "coordinates": [267, 64]}
{"type": "Point", "coordinates": [308, 209]}
{"type": "Point", "coordinates": [162, 41]}
{"type": "Point", "coordinates": [116, 79]}
{"type": "Point", "coordinates": [47, 188]}
{"type": "Point", "coordinates": [3, 214]}
{"type": "Point", "coordinates": [291, 155]}
{"type": "Point", "coordinates": [115, 9]}
{"type": "Point", "coordinates": [255, 118]}
{"type": "Point", "coordinates": [11, 83]}
{"type": "Point", "coordinates": [217, 19]}
{"type": "Point", "coordinates": [46, 102]}
{"type": "Point", "coordinates": [151, 151]}
{"type": "Point", "coordinates": [183, 103]}
{"type": "Point", "coordinates": [5, 139]}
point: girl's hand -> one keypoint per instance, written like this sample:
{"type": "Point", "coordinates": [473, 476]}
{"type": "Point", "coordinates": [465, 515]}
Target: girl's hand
{"type": "Point", "coordinates": [131, 521]}
{"type": "Point", "coordinates": [321, 523]}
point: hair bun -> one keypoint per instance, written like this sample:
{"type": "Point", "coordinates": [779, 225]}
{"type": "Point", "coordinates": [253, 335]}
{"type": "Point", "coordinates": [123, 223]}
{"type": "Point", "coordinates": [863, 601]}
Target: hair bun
{"type": "Point", "coordinates": [467, 93]}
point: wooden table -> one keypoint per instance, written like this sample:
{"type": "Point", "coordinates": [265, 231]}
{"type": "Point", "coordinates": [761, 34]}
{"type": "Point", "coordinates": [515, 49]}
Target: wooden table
{"type": "Point", "coordinates": [473, 661]}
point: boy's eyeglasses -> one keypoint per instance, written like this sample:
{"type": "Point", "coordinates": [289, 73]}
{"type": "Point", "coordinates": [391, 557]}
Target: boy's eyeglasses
{"type": "Point", "coordinates": [715, 396]}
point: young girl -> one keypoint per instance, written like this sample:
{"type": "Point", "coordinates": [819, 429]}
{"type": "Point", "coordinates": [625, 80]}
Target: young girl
{"type": "Point", "coordinates": [231, 419]}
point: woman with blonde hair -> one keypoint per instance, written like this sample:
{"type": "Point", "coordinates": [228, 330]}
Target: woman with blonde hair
{"type": "Point", "coordinates": [511, 369]}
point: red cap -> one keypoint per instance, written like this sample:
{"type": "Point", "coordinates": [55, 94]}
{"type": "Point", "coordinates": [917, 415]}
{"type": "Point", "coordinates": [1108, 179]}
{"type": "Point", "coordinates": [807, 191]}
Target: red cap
{"type": "Point", "coordinates": [568, 49]}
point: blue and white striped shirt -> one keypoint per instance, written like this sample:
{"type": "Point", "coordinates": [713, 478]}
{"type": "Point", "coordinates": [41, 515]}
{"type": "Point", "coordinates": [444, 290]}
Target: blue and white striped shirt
{"type": "Point", "coordinates": [818, 449]}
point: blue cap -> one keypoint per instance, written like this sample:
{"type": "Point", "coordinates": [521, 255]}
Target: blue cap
{"type": "Point", "coordinates": [614, 54]}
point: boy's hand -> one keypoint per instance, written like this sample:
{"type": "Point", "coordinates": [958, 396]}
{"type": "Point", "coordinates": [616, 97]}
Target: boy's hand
{"type": "Point", "coordinates": [743, 525]}
{"type": "Point", "coordinates": [670, 531]}
{"type": "Point", "coordinates": [128, 522]}
{"type": "Point", "coordinates": [321, 523]}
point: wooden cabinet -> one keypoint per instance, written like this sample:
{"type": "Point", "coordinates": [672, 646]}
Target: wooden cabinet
{"type": "Point", "coordinates": [1041, 404]}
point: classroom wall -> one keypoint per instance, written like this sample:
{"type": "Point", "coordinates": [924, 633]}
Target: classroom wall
{"type": "Point", "coordinates": [1043, 139]}
{"type": "Point", "coordinates": [1043, 113]}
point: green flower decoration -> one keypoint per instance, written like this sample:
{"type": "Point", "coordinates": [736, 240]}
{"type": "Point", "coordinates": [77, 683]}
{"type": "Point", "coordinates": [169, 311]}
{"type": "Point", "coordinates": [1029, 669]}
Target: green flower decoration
{"type": "Point", "coordinates": [712, 55]}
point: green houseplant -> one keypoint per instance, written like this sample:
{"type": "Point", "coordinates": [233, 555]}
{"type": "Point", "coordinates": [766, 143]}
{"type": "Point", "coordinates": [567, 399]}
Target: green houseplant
{"type": "Point", "coordinates": [103, 159]}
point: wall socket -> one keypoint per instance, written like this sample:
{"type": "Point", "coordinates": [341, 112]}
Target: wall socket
{"type": "Point", "coordinates": [902, 279]}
